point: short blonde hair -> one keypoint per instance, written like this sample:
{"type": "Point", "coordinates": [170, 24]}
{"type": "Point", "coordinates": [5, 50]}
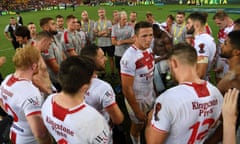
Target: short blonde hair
{"type": "Point", "coordinates": [25, 57]}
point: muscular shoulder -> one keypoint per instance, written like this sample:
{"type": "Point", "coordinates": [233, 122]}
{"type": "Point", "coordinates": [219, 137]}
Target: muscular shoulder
{"type": "Point", "coordinates": [230, 80]}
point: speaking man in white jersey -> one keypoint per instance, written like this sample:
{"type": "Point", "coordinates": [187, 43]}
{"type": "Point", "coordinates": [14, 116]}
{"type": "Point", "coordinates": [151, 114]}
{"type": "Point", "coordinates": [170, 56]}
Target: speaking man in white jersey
{"type": "Point", "coordinates": [100, 95]}
{"type": "Point", "coordinates": [66, 115]}
{"type": "Point", "coordinates": [185, 113]}
{"type": "Point", "coordinates": [137, 66]}
{"type": "Point", "coordinates": [22, 100]}
{"type": "Point", "coordinates": [203, 43]}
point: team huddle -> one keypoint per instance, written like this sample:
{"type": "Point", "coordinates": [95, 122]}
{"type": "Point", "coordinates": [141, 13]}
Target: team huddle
{"type": "Point", "coordinates": [58, 92]}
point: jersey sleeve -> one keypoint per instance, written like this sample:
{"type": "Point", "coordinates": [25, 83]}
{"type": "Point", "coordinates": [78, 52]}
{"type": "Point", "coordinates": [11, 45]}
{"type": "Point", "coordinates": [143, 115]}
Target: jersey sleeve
{"type": "Point", "coordinates": [32, 105]}
{"type": "Point", "coordinates": [48, 55]}
{"type": "Point", "coordinates": [162, 115]}
{"type": "Point", "coordinates": [67, 42]}
{"type": "Point", "coordinates": [108, 97]}
{"type": "Point", "coordinates": [202, 52]}
{"type": "Point", "coordinates": [127, 64]}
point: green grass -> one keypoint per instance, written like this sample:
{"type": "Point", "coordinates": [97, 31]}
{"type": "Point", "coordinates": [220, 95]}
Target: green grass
{"type": "Point", "coordinates": [159, 12]}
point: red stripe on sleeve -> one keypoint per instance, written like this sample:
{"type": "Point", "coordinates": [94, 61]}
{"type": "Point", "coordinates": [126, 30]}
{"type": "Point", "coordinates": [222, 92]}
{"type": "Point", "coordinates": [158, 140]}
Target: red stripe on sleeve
{"type": "Point", "coordinates": [34, 113]}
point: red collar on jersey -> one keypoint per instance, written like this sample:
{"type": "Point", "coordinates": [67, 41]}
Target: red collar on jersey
{"type": "Point", "coordinates": [60, 113]}
{"type": "Point", "coordinates": [13, 80]}
{"type": "Point", "coordinates": [200, 89]}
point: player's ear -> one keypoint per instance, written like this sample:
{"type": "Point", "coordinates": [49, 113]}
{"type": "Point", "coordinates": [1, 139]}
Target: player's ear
{"type": "Point", "coordinates": [174, 63]}
{"type": "Point", "coordinates": [236, 52]}
{"type": "Point", "coordinates": [84, 88]}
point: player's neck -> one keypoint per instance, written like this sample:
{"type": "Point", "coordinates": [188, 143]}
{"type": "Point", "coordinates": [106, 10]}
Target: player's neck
{"type": "Point", "coordinates": [199, 31]}
{"type": "Point", "coordinates": [138, 46]}
{"type": "Point", "coordinates": [68, 100]}
{"type": "Point", "coordinates": [233, 62]}
{"type": "Point", "coordinates": [26, 74]}
{"type": "Point", "coordinates": [189, 75]}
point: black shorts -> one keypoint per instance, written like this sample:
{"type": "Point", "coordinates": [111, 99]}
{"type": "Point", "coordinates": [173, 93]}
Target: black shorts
{"type": "Point", "coordinates": [109, 50]}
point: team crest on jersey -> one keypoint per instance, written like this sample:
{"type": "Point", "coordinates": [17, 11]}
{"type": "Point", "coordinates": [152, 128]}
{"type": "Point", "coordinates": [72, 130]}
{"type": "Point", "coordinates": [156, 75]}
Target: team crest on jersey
{"type": "Point", "coordinates": [158, 107]}
{"type": "Point", "coordinates": [201, 46]}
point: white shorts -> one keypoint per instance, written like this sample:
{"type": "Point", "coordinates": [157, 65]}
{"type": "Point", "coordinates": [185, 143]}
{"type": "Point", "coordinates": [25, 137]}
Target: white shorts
{"type": "Point", "coordinates": [145, 105]}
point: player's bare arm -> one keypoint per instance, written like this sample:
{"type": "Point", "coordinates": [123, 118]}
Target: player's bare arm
{"type": "Point", "coordinates": [38, 129]}
{"type": "Point", "coordinates": [115, 113]}
{"type": "Point", "coordinates": [54, 66]}
{"type": "Point", "coordinates": [155, 136]}
{"type": "Point", "coordinates": [202, 69]}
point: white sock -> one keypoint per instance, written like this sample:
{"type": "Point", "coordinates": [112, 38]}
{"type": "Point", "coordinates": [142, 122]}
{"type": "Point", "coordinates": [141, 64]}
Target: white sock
{"type": "Point", "coordinates": [135, 140]}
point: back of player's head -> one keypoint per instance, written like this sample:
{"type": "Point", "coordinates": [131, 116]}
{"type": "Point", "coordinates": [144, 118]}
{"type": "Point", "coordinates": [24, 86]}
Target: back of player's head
{"type": "Point", "coordinates": [184, 52]}
{"type": "Point", "coordinates": [220, 14]}
{"type": "Point", "coordinates": [25, 57]}
{"type": "Point", "coordinates": [23, 31]}
{"type": "Point", "coordinates": [198, 16]}
{"type": "Point", "coordinates": [141, 24]}
{"type": "Point", "coordinates": [75, 72]}
{"type": "Point", "coordinates": [44, 21]}
{"type": "Point", "coordinates": [43, 34]}
{"type": "Point", "coordinates": [234, 39]}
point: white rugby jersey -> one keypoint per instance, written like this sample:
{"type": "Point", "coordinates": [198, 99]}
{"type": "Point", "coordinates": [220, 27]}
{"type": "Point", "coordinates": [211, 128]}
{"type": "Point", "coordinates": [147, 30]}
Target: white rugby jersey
{"type": "Point", "coordinates": [100, 95]}
{"type": "Point", "coordinates": [222, 33]}
{"type": "Point", "coordinates": [206, 48]}
{"type": "Point", "coordinates": [139, 64]}
{"type": "Point", "coordinates": [81, 124]}
{"type": "Point", "coordinates": [187, 112]}
{"type": "Point", "coordinates": [20, 99]}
